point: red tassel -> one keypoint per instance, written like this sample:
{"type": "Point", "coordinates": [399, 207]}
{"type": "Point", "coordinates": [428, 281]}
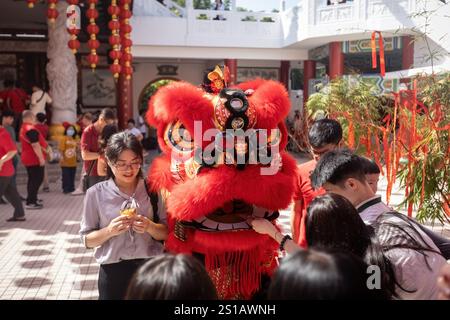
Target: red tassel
{"type": "Point", "coordinates": [374, 53]}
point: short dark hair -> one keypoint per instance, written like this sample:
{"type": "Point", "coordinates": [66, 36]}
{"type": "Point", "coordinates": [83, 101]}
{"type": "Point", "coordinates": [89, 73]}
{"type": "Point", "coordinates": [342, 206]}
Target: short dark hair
{"type": "Point", "coordinates": [118, 143]}
{"type": "Point", "coordinates": [41, 117]}
{"type": "Point", "coordinates": [7, 113]}
{"type": "Point", "coordinates": [323, 132]}
{"type": "Point", "coordinates": [8, 83]}
{"type": "Point", "coordinates": [171, 277]}
{"type": "Point", "coordinates": [107, 114]}
{"type": "Point", "coordinates": [336, 166]}
{"type": "Point", "coordinates": [108, 131]}
{"type": "Point", "coordinates": [370, 166]}
{"type": "Point", "coordinates": [131, 121]}
{"type": "Point", "coordinates": [321, 275]}
{"type": "Point", "coordinates": [88, 116]}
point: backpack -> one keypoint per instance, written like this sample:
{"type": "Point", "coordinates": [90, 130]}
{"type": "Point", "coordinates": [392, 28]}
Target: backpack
{"type": "Point", "coordinates": [154, 202]}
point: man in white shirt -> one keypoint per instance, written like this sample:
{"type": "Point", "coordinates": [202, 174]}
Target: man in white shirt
{"type": "Point", "coordinates": [39, 99]}
{"type": "Point", "coordinates": [133, 130]}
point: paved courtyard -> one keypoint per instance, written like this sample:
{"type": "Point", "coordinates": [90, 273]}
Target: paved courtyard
{"type": "Point", "coordinates": [43, 258]}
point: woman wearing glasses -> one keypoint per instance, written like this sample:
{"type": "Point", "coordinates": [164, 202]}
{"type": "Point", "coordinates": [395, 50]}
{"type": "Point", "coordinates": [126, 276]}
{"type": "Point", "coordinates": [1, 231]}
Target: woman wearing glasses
{"type": "Point", "coordinates": [118, 218]}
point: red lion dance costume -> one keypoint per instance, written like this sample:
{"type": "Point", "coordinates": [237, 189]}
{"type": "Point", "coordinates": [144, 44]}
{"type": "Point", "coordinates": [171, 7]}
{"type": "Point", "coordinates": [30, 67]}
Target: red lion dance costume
{"type": "Point", "coordinates": [208, 204]}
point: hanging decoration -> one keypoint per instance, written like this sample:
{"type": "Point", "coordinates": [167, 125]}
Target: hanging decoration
{"type": "Point", "coordinates": [73, 24]}
{"type": "Point", "coordinates": [52, 13]}
{"type": "Point", "coordinates": [31, 3]}
{"type": "Point", "coordinates": [114, 39]}
{"type": "Point", "coordinates": [125, 32]}
{"type": "Point", "coordinates": [374, 52]}
{"type": "Point", "coordinates": [93, 30]}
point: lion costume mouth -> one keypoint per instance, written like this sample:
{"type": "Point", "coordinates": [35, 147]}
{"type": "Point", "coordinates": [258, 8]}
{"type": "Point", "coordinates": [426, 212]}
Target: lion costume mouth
{"type": "Point", "coordinates": [232, 216]}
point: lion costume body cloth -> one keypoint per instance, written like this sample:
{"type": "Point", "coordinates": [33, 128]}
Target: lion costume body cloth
{"type": "Point", "coordinates": [208, 205]}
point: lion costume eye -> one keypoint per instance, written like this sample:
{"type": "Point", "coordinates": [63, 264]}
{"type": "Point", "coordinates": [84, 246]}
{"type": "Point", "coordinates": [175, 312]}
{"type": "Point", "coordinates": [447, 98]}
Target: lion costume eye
{"type": "Point", "coordinates": [177, 137]}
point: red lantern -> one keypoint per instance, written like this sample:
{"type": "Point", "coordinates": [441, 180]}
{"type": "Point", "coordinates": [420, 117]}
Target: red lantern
{"type": "Point", "coordinates": [52, 14]}
{"type": "Point", "coordinates": [127, 42]}
{"type": "Point", "coordinates": [114, 40]}
{"type": "Point", "coordinates": [92, 1]}
{"type": "Point", "coordinates": [72, 1]}
{"type": "Point", "coordinates": [93, 60]}
{"type": "Point", "coordinates": [113, 10]}
{"type": "Point", "coordinates": [74, 44]}
{"type": "Point", "coordinates": [115, 69]}
{"type": "Point", "coordinates": [125, 14]}
{"type": "Point", "coordinates": [93, 44]}
{"type": "Point", "coordinates": [93, 29]}
{"type": "Point", "coordinates": [115, 54]}
{"type": "Point", "coordinates": [114, 25]}
{"type": "Point", "coordinates": [73, 31]}
{"type": "Point", "coordinates": [125, 28]}
{"type": "Point", "coordinates": [31, 3]}
{"type": "Point", "coordinates": [91, 13]}
{"type": "Point", "coordinates": [124, 2]}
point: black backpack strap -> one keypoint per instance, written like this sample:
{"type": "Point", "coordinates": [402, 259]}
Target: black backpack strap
{"type": "Point", "coordinates": [154, 201]}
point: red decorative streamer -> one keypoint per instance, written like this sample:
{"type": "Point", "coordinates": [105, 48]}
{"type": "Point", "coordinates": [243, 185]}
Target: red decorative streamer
{"type": "Point", "coordinates": [374, 53]}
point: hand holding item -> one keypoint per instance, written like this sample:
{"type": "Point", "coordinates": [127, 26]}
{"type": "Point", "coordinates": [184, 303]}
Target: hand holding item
{"type": "Point", "coordinates": [119, 225]}
{"type": "Point", "coordinates": [130, 212]}
{"type": "Point", "coordinates": [263, 226]}
{"type": "Point", "coordinates": [141, 224]}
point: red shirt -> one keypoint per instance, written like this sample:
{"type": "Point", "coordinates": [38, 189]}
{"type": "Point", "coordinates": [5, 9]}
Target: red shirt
{"type": "Point", "coordinates": [43, 129]}
{"type": "Point", "coordinates": [6, 146]}
{"type": "Point", "coordinates": [89, 143]}
{"type": "Point", "coordinates": [14, 99]}
{"type": "Point", "coordinates": [28, 135]}
{"type": "Point", "coordinates": [304, 195]}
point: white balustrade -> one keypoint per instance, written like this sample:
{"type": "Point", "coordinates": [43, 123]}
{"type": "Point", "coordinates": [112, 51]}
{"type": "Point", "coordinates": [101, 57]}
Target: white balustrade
{"type": "Point", "coordinates": [309, 19]}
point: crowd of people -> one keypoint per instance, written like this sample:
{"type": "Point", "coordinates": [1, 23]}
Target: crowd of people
{"type": "Point", "coordinates": [340, 227]}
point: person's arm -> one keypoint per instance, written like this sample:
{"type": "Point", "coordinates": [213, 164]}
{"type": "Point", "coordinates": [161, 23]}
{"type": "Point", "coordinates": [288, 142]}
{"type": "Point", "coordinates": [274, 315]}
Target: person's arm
{"type": "Point", "coordinates": [8, 156]}
{"type": "Point", "coordinates": [90, 231]}
{"type": "Point", "coordinates": [264, 226]}
{"type": "Point", "coordinates": [38, 151]}
{"type": "Point", "coordinates": [140, 136]}
{"type": "Point", "coordinates": [101, 167]}
{"type": "Point", "coordinates": [117, 226]}
{"type": "Point", "coordinates": [87, 155]}
{"type": "Point", "coordinates": [158, 231]}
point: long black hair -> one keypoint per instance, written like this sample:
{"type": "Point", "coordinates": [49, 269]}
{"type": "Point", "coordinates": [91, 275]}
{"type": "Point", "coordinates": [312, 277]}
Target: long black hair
{"type": "Point", "coordinates": [333, 223]}
{"type": "Point", "coordinates": [118, 143]}
{"type": "Point", "coordinates": [322, 275]}
{"type": "Point", "coordinates": [171, 277]}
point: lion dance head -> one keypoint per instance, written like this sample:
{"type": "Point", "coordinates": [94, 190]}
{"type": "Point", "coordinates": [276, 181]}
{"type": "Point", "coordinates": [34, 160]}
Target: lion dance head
{"type": "Point", "coordinates": [223, 162]}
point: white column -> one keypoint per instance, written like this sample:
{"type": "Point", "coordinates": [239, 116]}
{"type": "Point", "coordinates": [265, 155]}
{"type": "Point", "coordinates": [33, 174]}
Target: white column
{"type": "Point", "coordinates": [233, 5]}
{"type": "Point", "coordinates": [61, 70]}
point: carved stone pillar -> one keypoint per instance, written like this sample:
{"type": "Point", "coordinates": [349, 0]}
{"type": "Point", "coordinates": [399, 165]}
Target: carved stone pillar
{"type": "Point", "coordinates": [61, 73]}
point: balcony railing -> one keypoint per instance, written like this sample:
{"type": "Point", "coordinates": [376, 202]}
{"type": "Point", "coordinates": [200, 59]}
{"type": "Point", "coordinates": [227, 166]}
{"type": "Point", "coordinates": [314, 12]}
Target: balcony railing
{"type": "Point", "coordinates": [309, 19]}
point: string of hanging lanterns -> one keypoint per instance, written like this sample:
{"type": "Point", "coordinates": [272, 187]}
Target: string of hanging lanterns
{"type": "Point", "coordinates": [120, 38]}
{"type": "Point", "coordinates": [74, 43]}
{"type": "Point", "coordinates": [114, 39]}
{"type": "Point", "coordinates": [125, 31]}
{"type": "Point", "coordinates": [93, 30]}
{"type": "Point", "coordinates": [52, 13]}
